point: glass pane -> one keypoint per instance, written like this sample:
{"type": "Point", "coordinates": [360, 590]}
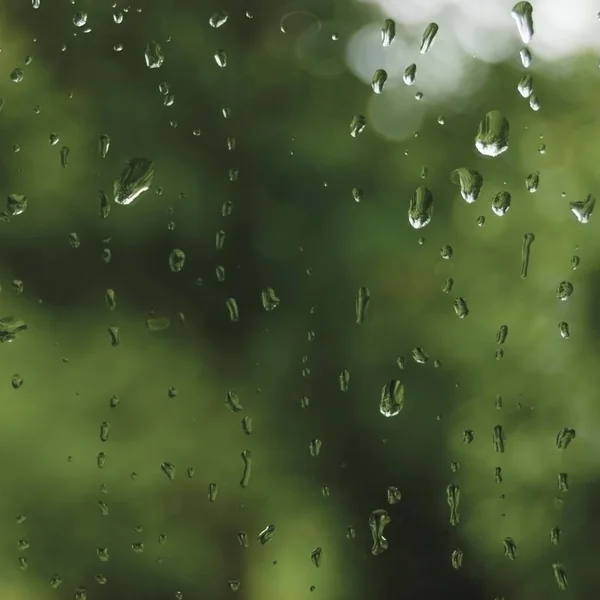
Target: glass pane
{"type": "Point", "coordinates": [299, 299]}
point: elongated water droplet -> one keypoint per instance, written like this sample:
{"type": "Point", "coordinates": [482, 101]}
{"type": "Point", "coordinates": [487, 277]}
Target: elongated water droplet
{"type": "Point", "coordinates": [522, 13]}
{"type": "Point", "coordinates": [410, 74]}
{"type": "Point", "coordinates": [363, 299]}
{"type": "Point", "coordinates": [525, 86]}
{"type": "Point", "coordinates": [492, 134]}
{"type": "Point", "coordinates": [528, 239]}
{"type": "Point", "coordinates": [357, 125]}
{"type": "Point", "coordinates": [470, 182]}
{"type": "Point", "coordinates": [379, 79]}
{"type": "Point", "coordinates": [136, 178]}
{"type": "Point", "coordinates": [583, 209]}
{"type": "Point", "coordinates": [388, 32]}
{"type": "Point", "coordinates": [428, 37]}
{"type": "Point", "coordinates": [103, 144]}
{"type": "Point", "coordinates": [420, 208]}
{"type": "Point", "coordinates": [378, 520]}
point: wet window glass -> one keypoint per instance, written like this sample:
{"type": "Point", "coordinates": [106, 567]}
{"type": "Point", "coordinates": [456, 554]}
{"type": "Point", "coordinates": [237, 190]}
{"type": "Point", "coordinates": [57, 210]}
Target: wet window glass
{"type": "Point", "coordinates": [299, 300]}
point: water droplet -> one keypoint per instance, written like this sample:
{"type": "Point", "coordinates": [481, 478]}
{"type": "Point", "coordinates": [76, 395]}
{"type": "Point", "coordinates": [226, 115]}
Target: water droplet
{"type": "Point", "coordinates": [218, 19]}
{"type": "Point", "coordinates": [410, 74]}
{"type": "Point", "coordinates": [522, 13]}
{"type": "Point", "coordinates": [428, 37]}
{"type": "Point", "coordinates": [420, 208]}
{"type": "Point", "coordinates": [379, 78]}
{"type": "Point", "coordinates": [392, 398]}
{"type": "Point", "coordinates": [470, 182]}
{"type": "Point", "coordinates": [388, 32]}
{"type": "Point", "coordinates": [153, 55]}
{"type": "Point", "coordinates": [501, 203]}
{"type": "Point", "coordinates": [492, 135]}
{"type": "Point", "coordinates": [357, 125]}
{"type": "Point", "coordinates": [583, 209]}
{"type": "Point", "coordinates": [136, 178]}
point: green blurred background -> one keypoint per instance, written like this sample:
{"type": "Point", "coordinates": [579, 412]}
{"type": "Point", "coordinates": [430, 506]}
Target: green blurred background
{"type": "Point", "coordinates": [295, 227]}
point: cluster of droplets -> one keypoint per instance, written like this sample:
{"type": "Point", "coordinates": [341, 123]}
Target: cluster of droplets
{"type": "Point", "coordinates": [380, 77]}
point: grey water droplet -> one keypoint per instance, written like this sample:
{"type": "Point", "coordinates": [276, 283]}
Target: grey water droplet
{"type": "Point", "coordinates": [176, 260]}
{"type": "Point", "coordinates": [344, 380]}
{"type": "Point", "coordinates": [428, 37]}
{"type": "Point", "coordinates": [247, 470]}
{"type": "Point", "coordinates": [532, 182]}
{"type": "Point", "coordinates": [168, 469]}
{"type": "Point", "coordinates": [388, 32]}
{"type": "Point", "coordinates": [104, 431]}
{"type": "Point", "coordinates": [492, 134]}
{"type": "Point", "coordinates": [314, 447]}
{"type": "Point", "coordinates": [110, 299]}
{"type": "Point", "coordinates": [266, 535]}
{"type": "Point", "coordinates": [392, 398]}
{"type": "Point", "coordinates": [220, 57]}
{"type": "Point", "coordinates": [525, 86]}
{"type": "Point", "coordinates": [498, 438]}
{"type": "Point", "coordinates": [11, 328]}
{"type": "Point", "coordinates": [218, 19]}
{"type": "Point", "coordinates": [501, 203]}
{"type": "Point", "coordinates": [470, 182]}
{"type": "Point", "coordinates": [247, 425]}
{"type": "Point", "coordinates": [564, 290]}
{"type": "Point", "coordinates": [379, 78]}
{"type": "Point", "coordinates": [420, 208]}
{"type": "Point", "coordinates": [269, 299]}
{"type": "Point", "coordinates": [522, 13]}
{"type": "Point", "coordinates": [357, 125]}
{"type": "Point", "coordinates": [16, 204]}
{"type": "Point", "coordinates": [502, 334]}
{"type": "Point", "coordinates": [564, 438]}
{"type": "Point", "coordinates": [103, 144]}
{"type": "Point", "coordinates": [393, 495]}
{"type": "Point", "coordinates": [316, 557]}
{"type": "Point", "coordinates": [232, 401]}
{"type": "Point", "coordinates": [136, 178]}
{"type": "Point", "coordinates": [158, 323]}
{"type": "Point", "coordinates": [153, 55]}
{"type": "Point", "coordinates": [564, 330]}
{"type": "Point", "coordinates": [525, 56]}
{"type": "Point", "coordinates": [528, 240]}
{"type": "Point", "coordinates": [363, 299]}
{"type": "Point", "coordinates": [379, 519]}
{"type": "Point", "coordinates": [16, 75]}
{"type": "Point", "coordinates": [560, 575]}
{"type": "Point", "coordinates": [510, 548]}
{"type": "Point", "coordinates": [115, 336]}
{"type": "Point", "coordinates": [410, 74]}
{"type": "Point", "coordinates": [460, 308]}
{"type": "Point", "coordinates": [457, 558]}
{"type": "Point", "coordinates": [420, 356]}
{"type": "Point", "coordinates": [104, 205]}
{"type": "Point", "coordinates": [64, 156]}
{"type": "Point", "coordinates": [583, 209]}
{"type": "Point", "coordinates": [232, 309]}
{"type": "Point", "coordinates": [453, 499]}
{"type": "Point", "coordinates": [213, 492]}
